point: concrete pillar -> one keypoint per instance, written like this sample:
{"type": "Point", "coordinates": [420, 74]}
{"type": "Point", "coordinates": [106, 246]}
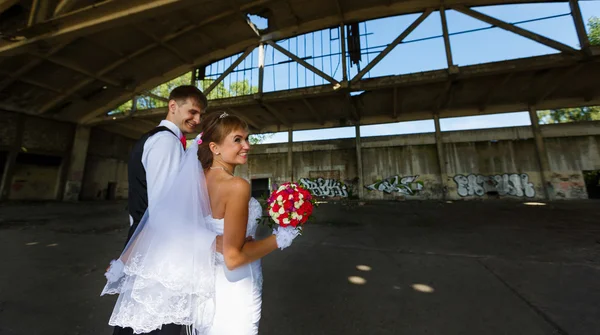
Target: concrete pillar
{"type": "Point", "coordinates": [290, 154]}
{"type": "Point", "coordinates": [359, 163]}
{"type": "Point", "coordinates": [11, 160]}
{"type": "Point", "coordinates": [76, 164]}
{"type": "Point", "coordinates": [442, 163]}
{"type": "Point", "coordinates": [540, 149]}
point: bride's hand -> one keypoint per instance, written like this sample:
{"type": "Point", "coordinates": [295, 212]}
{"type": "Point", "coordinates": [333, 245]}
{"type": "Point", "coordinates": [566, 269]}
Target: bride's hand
{"type": "Point", "coordinates": [285, 236]}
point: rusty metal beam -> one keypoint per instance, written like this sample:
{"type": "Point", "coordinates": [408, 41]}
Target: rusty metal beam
{"type": "Point", "coordinates": [392, 45]}
{"type": "Point", "coordinates": [11, 77]}
{"type": "Point", "coordinates": [302, 62]}
{"type": "Point", "coordinates": [6, 4]}
{"type": "Point", "coordinates": [497, 70]}
{"type": "Point", "coordinates": [560, 81]}
{"type": "Point", "coordinates": [138, 53]}
{"type": "Point", "coordinates": [443, 96]}
{"type": "Point", "coordinates": [278, 116]}
{"type": "Point", "coordinates": [584, 41]}
{"type": "Point", "coordinates": [395, 104]}
{"type": "Point", "coordinates": [64, 6]}
{"type": "Point", "coordinates": [261, 68]}
{"type": "Point", "coordinates": [244, 118]}
{"type": "Point", "coordinates": [313, 111]}
{"type": "Point", "coordinates": [33, 12]}
{"type": "Point", "coordinates": [351, 107]}
{"type": "Point", "coordinates": [339, 10]}
{"type": "Point", "coordinates": [229, 70]}
{"type": "Point", "coordinates": [147, 123]}
{"type": "Point", "coordinates": [119, 129]}
{"type": "Point", "coordinates": [446, 37]}
{"type": "Point", "coordinates": [493, 88]}
{"type": "Point", "coordinates": [514, 29]}
{"type": "Point", "coordinates": [245, 18]}
{"type": "Point", "coordinates": [76, 68]}
{"type": "Point", "coordinates": [157, 97]}
{"type": "Point", "coordinates": [183, 58]}
{"type": "Point", "coordinates": [371, 12]}
{"type": "Point", "coordinates": [97, 17]}
{"type": "Point", "coordinates": [343, 48]}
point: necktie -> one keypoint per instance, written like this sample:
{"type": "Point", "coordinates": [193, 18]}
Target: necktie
{"type": "Point", "coordinates": [183, 141]}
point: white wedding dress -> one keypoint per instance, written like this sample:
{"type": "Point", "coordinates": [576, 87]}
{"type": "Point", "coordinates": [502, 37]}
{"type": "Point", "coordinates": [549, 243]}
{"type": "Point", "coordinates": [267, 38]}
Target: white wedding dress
{"type": "Point", "coordinates": [238, 293]}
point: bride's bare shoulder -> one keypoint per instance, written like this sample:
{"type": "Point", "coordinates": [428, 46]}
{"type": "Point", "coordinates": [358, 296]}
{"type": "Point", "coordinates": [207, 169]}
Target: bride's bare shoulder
{"type": "Point", "coordinates": [238, 186]}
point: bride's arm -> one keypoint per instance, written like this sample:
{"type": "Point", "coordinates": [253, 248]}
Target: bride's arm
{"type": "Point", "coordinates": [236, 249]}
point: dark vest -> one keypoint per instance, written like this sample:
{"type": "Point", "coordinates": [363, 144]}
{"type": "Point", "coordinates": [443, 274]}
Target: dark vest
{"type": "Point", "coordinates": [138, 186]}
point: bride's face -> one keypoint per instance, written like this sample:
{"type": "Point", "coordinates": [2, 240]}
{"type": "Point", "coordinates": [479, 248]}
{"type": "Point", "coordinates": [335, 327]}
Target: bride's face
{"type": "Point", "coordinates": [235, 147]}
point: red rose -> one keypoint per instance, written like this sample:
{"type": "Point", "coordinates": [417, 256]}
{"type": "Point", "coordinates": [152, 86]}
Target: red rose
{"type": "Point", "coordinates": [276, 207]}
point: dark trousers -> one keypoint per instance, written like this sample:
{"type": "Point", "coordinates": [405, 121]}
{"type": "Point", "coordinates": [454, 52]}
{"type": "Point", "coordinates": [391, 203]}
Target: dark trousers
{"type": "Point", "coordinates": [169, 329]}
{"type": "Point", "coordinates": [131, 231]}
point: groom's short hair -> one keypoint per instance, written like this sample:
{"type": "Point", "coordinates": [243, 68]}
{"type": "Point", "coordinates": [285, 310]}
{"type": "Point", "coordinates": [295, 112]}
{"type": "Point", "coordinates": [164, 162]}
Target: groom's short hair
{"type": "Point", "coordinates": [184, 92]}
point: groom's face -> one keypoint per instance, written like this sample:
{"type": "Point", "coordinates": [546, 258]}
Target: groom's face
{"type": "Point", "coordinates": [186, 114]}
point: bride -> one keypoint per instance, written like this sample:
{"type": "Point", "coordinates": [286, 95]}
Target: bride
{"type": "Point", "coordinates": [171, 272]}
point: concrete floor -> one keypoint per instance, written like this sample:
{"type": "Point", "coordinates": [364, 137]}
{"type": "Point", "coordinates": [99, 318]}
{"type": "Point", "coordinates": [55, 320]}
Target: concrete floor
{"type": "Point", "coordinates": [435, 268]}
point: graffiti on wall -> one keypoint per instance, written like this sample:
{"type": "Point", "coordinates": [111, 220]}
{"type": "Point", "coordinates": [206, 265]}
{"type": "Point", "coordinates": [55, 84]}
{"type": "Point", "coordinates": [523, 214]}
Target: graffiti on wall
{"type": "Point", "coordinates": [408, 185]}
{"type": "Point", "coordinates": [513, 184]}
{"type": "Point", "coordinates": [325, 187]}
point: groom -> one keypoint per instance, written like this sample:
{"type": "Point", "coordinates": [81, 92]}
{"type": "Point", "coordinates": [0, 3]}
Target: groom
{"type": "Point", "coordinates": [155, 160]}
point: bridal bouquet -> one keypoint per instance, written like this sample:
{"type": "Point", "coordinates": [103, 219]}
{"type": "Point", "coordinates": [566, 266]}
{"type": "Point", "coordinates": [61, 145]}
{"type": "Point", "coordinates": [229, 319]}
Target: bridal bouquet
{"type": "Point", "coordinates": [290, 206]}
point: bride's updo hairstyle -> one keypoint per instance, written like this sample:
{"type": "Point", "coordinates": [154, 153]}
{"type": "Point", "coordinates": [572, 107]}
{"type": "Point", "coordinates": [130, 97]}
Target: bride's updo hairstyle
{"type": "Point", "coordinates": [215, 126]}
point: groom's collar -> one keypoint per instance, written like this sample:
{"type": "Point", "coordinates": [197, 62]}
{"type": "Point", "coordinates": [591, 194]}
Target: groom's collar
{"type": "Point", "coordinates": [172, 127]}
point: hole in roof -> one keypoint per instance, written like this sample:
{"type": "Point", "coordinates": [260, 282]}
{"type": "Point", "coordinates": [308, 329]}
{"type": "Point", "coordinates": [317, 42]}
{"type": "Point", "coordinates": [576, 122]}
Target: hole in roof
{"type": "Point", "coordinates": [260, 22]}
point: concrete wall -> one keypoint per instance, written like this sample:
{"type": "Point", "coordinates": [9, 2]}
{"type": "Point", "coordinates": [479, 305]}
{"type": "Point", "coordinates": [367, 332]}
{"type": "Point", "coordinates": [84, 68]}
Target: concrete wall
{"type": "Point", "coordinates": [106, 166]}
{"type": "Point", "coordinates": [45, 159]}
{"type": "Point", "coordinates": [481, 164]}
{"type": "Point", "coordinates": [37, 149]}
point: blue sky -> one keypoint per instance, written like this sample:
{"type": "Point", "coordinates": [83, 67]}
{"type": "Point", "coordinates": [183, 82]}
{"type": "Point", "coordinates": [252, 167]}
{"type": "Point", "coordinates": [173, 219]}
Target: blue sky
{"type": "Point", "coordinates": [418, 55]}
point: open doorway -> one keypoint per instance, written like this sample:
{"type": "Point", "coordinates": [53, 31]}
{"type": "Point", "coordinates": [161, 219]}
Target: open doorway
{"type": "Point", "coordinates": [3, 158]}
{"type": "Point", "coordinates": [592, 183]}
{"type": "Point", "coordinates": [260, 188]}
{"type": "Point", "coordinates": [35, 177]}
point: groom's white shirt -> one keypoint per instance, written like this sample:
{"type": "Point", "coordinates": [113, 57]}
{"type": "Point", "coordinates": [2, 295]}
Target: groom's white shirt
{"type": "Point", "coordinates": [161, 160]}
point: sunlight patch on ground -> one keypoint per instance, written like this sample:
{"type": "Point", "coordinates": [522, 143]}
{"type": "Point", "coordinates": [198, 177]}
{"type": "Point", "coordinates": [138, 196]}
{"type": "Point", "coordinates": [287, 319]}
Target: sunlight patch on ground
{"type": "Point", "coordinates": [423, 288]}
{"type": "Point", "coordinates": [357, 280]}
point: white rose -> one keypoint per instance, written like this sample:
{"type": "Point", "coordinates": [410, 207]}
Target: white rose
{"type": "Point", "coordinates": [281, 210]}
{"type": "Point", "coordinates": [301, 196]}
{"type": "Point", "coordinates": [280, 198]}
{"type": "Point", "coordinates": [297, 204]}
{"type": "Point", "coordinates": [286, 220]}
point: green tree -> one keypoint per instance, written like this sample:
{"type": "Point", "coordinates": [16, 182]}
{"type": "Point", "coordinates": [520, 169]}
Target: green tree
{"type": "Point", "coordinates": [237, 88]}
{"type": "Point", "coordinates": [563, 115]}
{"type": "Point", "coordinates": [594, 30]}
{"type": "Point", "coordinates": [259, 138]}
{"type": "Point", "coordinates": [220, 91]}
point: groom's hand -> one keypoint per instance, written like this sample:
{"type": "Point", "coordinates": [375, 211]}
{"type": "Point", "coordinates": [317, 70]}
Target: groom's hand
{"type": "Point", "coordinates": [219, 243]}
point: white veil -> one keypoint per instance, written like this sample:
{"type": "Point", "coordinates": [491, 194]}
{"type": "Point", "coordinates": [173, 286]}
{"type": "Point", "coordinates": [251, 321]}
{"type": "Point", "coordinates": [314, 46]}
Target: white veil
{"type": "Point", "coordinates": [168, 266]}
